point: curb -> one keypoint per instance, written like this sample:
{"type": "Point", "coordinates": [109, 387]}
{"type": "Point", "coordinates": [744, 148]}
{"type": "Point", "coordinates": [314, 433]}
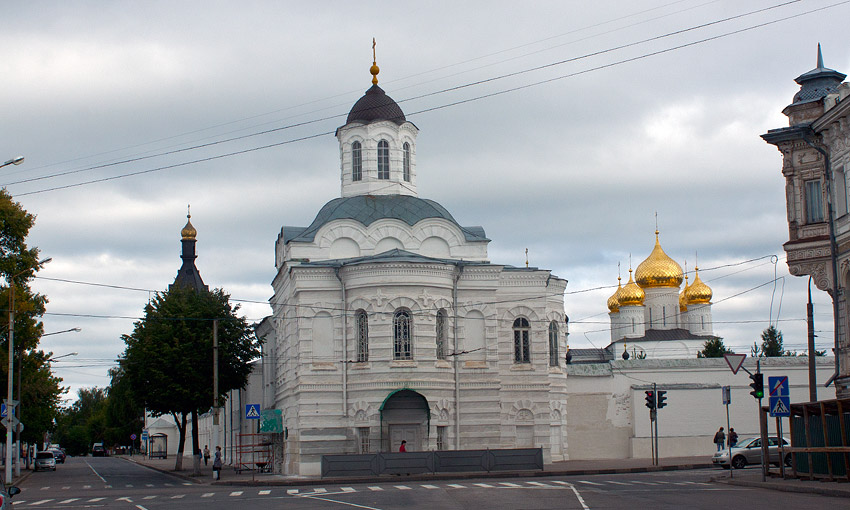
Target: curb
{"type": "Point", "coordinates": [779, 485]}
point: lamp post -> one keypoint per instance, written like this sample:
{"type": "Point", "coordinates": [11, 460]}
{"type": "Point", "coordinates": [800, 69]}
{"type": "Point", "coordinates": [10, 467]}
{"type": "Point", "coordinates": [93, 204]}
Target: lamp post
{"type": "Point", "coordinates": [19, 426]}
{"type": "Point", "coordinates": [14, 161]}
{"type": "Point", "coordinates": [10, 404]}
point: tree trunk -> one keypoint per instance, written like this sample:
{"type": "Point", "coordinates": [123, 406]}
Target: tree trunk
{"type": "Point", "coordinates": [196, 449]}
{"type": "Point", "coordinates": [181, 429]}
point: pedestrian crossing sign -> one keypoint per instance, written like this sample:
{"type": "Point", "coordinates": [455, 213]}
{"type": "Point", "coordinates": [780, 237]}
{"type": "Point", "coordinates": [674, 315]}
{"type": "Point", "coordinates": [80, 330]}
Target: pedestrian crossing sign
{"type": "Point", "coordinates": [780, 406]}
{"type": "Point", "coordinates": [252, 411]}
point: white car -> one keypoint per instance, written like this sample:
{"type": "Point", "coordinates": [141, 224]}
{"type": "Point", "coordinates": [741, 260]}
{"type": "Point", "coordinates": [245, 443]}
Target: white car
{"type": "Point", "coordinates": [748, 451]}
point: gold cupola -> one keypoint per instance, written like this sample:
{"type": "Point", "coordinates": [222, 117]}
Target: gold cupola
{"type": "Point", "coordinates": [188, 233]}
{"type": "Point", "coordinates": [631, 294]}
{"type": "Point", "coordinates": [698, 293]}
{"type": "Point", "coordinates": [658, 270]}
{"type": "Point", "coordinates": [614, 300]}
{"type": "Point", "coordinates": [683, 298]}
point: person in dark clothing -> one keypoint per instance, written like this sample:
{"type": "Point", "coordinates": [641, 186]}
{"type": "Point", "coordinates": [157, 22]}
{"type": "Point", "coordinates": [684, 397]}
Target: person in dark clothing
{"type": "Point", "coordinates": [720, 439]}
{"type": "Point", "coordinates": [217, 463]}
{"type": "Point", "coordinates": [733, 437]}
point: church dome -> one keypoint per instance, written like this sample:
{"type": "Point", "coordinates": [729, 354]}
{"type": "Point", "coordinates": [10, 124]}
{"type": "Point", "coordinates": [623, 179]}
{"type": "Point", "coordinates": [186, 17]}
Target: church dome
{"type": "Point", "coordinates": [375, 105]}
{"type": "Point", "coordinates": [698, 293]}
{"type": "Point", "coordinates": [683, 298]}
{"type": "Point", "coordinates": [614, 300]}
{"type": "Point", "coordinates": [188, 233]}
{"type": "Point", "coordinates": [658, 270]}
{"type": "Point", "coordinates": [631, 294]}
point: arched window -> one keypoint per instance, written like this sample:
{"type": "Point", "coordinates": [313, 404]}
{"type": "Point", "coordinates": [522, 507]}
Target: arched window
{"type": "Point", "coordinates": [356, 162]}
{"type": "Point", "coordinates": [383, 160]}
{"type": "Point", "coordinates": [522, 342]}
{"type": "Point", "coordinates": [442, 320]}
{"type": "Point", "coordinates": [406, 162]}
{"type": "Point", "coordinates": [402, 335]}
{"type": "Point", "coordinates": [553, 344]}
{"type": "Point", "coordinates": [362, 321]}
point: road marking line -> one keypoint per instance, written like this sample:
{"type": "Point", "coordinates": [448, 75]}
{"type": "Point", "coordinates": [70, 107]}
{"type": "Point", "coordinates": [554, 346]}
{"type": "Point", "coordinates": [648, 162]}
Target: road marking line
{"type": "Point", "coordinates": [65, 488]}
{"type": "Point", "coordinates": [581, 481]}
{"type": "Point", "coordinates": [292, 491]}
{"type": "Point", "coordinates": [88, 486]}
{"type": "Point", "coordinates": [128, 500]}
{"type": "Point", "coordinates": [140, 507]}
{"type": "Point", "coordinates": [169, 485]}
{"type": "Point", "coordinates": [643, 483]}
{"type": "Point", "coordinates": [107, 486]}
{"type": "Point", "coordinates": [149, 497]}
{"type": "Point", "coordinates": [207, 494]}
{"type": "Point", "coordinates": [264, 493]}
{"type": "Point", "coordinates": [95, 472]}
{"type": "Point", "coordinates": [319, 490]}
{"type": "Point", "coordinates": [538, 484]}
{"type": "Point", "coordinates": [236, 493]}
{"type": "Point", "coordinates": [71, 500]}
{"type": "Point", "coordinates": [402, 487]}
{"type": "Point", "coordinates": [45, 488]}
{"type": "Point", "coordinates": [487, 485]}
{"type": "Point", "coordinates": [427, 487]}
{"type": "Point", "coordinates": [579, 498]}
{"type": "Point", "coordinates": [348, 489]}
{"type": "Point", "coordinates": [129, 485]}
{"type": "Point", "coordinates": [188, 483]}
{"type": "Point", "coordinates": [375, 488]}
{"type": "Point", "coordinates": [616, 483]}
{"type": "Point", "coordinates": [456, 486]}
{"type": "Point", "coordinates": [341, 502]}
{"type": "Point", "coordinates": [179, 496]}
{"type": "Point", "coordinates": [95, 500]}
{"type": "Point", "coordinates": [509, 484]}
{"type": "Point", "coordinates": [148, 485]}
{"type": "Point", "coordinates": [43, 501]}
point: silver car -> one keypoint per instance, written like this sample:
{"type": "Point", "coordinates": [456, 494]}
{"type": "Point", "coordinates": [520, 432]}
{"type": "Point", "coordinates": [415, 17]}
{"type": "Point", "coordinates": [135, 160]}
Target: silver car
{"type": "Point", "coordinates": [45, 460]}
{"type": "Point", "coordinates": [6, 496]}
{"type": "Point", "coordinates": [748, 451]}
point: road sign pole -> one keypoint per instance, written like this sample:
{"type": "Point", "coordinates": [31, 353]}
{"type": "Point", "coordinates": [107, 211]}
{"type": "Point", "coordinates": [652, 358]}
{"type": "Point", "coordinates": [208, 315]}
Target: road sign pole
{"type": "Point", "coordinates": [728, 442]}
{"type": "Point", "coordinates": [655, 391]}
{"type": "Point", "coordinates": [781, 447]}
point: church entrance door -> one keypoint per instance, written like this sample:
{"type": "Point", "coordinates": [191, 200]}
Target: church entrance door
{"type": "Point", "coordinates": [405, 417]}
{"type": "Point", "coordinates": [409, 433]}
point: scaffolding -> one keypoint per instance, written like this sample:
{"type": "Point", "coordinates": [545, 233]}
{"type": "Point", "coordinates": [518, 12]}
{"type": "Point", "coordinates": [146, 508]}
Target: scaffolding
{"type": "Point", "coordinates": [254, 452]}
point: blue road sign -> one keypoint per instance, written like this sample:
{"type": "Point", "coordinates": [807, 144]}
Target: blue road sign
{"type": "Point", "coordinates": [2, 410]}
{"type": "Point", "coordinates": [145, 435]}
{"type": "Point", "coordinates": [252, 411]}
{"type": "Point", "coordinates": [780, 406]}
{"type": "Point", "coordinates": [778, 386]}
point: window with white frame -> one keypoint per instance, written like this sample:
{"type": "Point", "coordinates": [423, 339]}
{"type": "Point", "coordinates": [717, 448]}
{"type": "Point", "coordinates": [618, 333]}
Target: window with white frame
{"type": "Point", "coordinates": [356, 162]}
{"type": "Point", "coordinates": [363, 439]}
{"type": "Point", "coordinates": [522, 342]}
{"type": "Point", "coordinates": [553, 344]}
{"type": "Point", "coordinates": [406, 162]}
{"type": "Point", "coordinates": [362, 321]}
{"type": "Point", "coordinates": [442, 321]}
{"type": "Point", "coordinates": [814, 201]}
{"type": "Point", "coordinates": [383, 160]}
{"type": "Point", "coordinates": [402, 335]}
{"type": "Point", "coordinates": [441, 437]}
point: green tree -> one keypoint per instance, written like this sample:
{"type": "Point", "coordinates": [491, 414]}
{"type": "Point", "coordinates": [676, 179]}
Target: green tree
{"type": "Point", "coordinates": [124, 414]}
{"type": "Point", "coordinates": [83, 423]}
{"type": "Point", "coordinates": [168, 359]}
{"type": "Point", "coordinates": [771, 342]}
{"type": "Point", "coordinates": [714, 348]}
{"type": "Point", "coordinates": [39, 391]}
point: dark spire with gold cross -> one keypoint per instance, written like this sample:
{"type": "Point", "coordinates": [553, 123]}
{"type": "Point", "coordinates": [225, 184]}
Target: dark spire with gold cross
{"type": "Point", "coordinates": [188, 275]}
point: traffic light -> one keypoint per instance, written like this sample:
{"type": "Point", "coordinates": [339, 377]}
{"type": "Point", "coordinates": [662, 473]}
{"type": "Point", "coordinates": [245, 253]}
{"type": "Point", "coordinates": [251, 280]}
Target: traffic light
{"type": "Point", "coordinates": [662, 399]}
{"type": "Point", "coordinates": [757, 385]}
{"type": "Point", "coordinates": [650, 399]}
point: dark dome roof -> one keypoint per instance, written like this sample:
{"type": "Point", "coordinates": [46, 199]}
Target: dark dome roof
{"type": "Point", "coordinates": [375, 105]}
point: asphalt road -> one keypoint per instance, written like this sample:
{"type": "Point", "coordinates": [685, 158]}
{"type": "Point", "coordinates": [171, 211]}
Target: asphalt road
{"type": "Point", "coordinates": [115, 483]}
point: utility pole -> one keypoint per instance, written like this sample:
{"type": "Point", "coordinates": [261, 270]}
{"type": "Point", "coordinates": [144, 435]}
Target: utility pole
{"type": "Point", "coordinates": [810, 320]}
{"type": "Point", "coordinates": [216, 425]}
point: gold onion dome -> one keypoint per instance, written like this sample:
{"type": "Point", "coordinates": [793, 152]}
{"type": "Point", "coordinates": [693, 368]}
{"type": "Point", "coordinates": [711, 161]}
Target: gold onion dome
{"type": "Point", "coordinates": [188, 233]}
{"type": "Point", "coordinates": [698, 293]}
{"type": "Point", "coordinates": [683, 299]}
{"type": "Point", "coordinates": [631, 294]}
{"type": "Point", "coordinates": [658, 270]}
{"type": "Point", "coordinates": [614, 300]}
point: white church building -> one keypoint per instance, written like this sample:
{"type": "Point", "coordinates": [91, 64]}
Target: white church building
{"type": "Point", "coordinates": [390, 323]}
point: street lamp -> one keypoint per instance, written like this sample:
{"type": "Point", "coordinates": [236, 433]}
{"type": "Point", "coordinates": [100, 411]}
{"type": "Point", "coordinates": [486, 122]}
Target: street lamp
{"type": "Point", "coordinates": [14, 161]}
{"type": "Point", "coordinates": [51, 360]}
{"type": "Point", "coordinates": [10, 404]}
{"type": "Point", "coordinates": [19, 425]}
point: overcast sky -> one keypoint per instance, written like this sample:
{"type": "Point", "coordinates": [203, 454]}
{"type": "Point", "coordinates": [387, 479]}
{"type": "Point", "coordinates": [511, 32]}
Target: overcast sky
{"type": "Point", "coordinates": [612, 111]}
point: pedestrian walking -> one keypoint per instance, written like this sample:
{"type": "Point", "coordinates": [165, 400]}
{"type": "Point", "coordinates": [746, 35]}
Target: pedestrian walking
{"type": "Point", "coordinates": [206, 454]}
{"type": "Point", "coordinates": [733, 437]}
{"type": "Point", "coordinates": [402, 448]}
{"type": "Point", "coordinates": [720, 439]}
{"type": "Point", "coordinates": [217, 463]}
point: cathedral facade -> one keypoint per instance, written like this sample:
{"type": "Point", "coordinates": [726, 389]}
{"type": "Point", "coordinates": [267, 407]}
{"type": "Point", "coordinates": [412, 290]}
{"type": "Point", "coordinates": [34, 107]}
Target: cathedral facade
{"type": "Point", "coordinates": [390, 323]}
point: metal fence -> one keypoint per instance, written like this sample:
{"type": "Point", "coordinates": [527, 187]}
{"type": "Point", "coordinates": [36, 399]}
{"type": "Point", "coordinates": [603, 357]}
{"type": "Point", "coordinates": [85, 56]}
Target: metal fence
{"type": "Point", "coordinates": [456, 461]}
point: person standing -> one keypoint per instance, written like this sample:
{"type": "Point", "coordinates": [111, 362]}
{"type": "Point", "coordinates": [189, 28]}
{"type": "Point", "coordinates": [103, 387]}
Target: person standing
{"type": "Point", "coordinates": [402, 448]}
{"type": "Point", "coordinates": [206, 454]}
{"type": "Point", "coordinates": [720, 439]}
{"type": "Point", "coordinates": [217, 463]}
{"type": "Point", "coordinates": [733, 437]}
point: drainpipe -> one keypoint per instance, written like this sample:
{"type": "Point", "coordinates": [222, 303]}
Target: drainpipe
{"type": "Point", "coordinates": [833, 255]}
{"type": "Point", "coordinates": [455, 360]}
{"type": "Point", "coordinates": [344, 346]}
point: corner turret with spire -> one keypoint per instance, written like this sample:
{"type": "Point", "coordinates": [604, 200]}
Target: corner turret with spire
{"type": "Point", "coordinates": [188, 275]}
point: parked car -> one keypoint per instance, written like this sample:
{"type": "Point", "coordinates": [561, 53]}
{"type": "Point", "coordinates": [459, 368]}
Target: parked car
{"type": "Point", "coordinates": [6, 496]}
{"type": "Point", "coordinates": [748, 451]}
{"type": "Point", "coordinates": [44, 460]}
{"type": "Point", "coordinates": [58, 454]}
{"type": "Point", "coordinates": [98, 450]}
